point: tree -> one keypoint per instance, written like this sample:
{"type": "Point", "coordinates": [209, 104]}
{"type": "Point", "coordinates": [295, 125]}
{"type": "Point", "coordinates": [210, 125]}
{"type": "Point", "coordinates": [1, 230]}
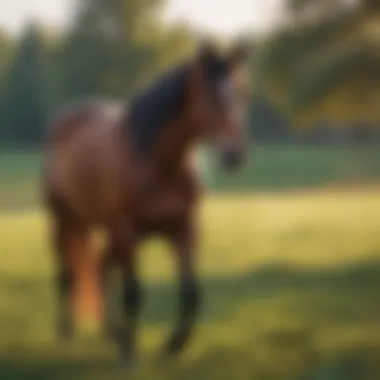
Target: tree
{"type": "Point", "coordinates": [6, 48]}
{"type": "Point", "coordinates": [324, 64]}
{"type": "Point", "coordinates": [24, 90]}
{"type": "Point", "coordinates": [102, 53]}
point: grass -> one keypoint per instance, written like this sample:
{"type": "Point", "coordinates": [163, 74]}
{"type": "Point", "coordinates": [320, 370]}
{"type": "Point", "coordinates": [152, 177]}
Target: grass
{"type": "Point", "coordinates": [293, 167]}
{"type": "Point", "coordinates": [290, 280]}
{"type": "Point", "coordinates": [19, 173]}
{"type": "Point", "coordinates": [291, 291]}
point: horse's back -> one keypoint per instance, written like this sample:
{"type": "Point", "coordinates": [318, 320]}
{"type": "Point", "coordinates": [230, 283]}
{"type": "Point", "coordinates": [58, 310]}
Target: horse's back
{"type": "Point", "coordinates": [86, 159]}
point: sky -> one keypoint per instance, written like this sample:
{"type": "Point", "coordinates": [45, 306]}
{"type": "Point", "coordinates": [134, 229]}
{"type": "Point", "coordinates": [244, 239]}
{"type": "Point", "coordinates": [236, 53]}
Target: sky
{"type": "Point", "coordinates": [224, 17]}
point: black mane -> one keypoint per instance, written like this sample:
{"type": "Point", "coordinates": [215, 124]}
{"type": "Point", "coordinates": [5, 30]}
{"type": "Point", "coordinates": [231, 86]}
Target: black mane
{"type": "Point", "coordinates": [153, 107]}
{"type": "Point", "coordinates": [150, 109]}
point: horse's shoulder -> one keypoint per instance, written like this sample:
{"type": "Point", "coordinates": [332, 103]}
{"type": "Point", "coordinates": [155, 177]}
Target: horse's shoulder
{"type": "Point", "coordinates": [69, 118]}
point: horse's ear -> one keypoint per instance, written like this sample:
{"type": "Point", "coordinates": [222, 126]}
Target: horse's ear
{"type": "Point", "coordinates": [207, 52]}
{"type": "Point", "coordinates": [238, 55]}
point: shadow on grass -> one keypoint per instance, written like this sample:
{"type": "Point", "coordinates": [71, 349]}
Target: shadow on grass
{"type": "Point", "coordinates": [309, 289]}
{"type": "Point", "coordinates": [312, 291]}
{"type": "Point", "coordinates": [48, 364]}
{"type": "Point", "coordinates": [221, 294]}
{"type": "Point", "coordinates": [325, 300]}
{"type": "Point", "coordinates": [243, 363]}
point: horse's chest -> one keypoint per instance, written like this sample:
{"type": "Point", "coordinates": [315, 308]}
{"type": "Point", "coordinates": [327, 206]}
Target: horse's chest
{"type": "Point", "coordinates": [165, 206]}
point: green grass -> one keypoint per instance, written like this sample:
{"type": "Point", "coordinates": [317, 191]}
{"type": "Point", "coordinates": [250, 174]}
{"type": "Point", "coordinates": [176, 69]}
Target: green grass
{"type": "Point", "coordinates": [290, 279]}
{"type": "Point", "coordinates": [19, 175]}
{"type": "Point", "coordinates": [288, 167]}
{"type": "Point", "coordinates": [291, 286]}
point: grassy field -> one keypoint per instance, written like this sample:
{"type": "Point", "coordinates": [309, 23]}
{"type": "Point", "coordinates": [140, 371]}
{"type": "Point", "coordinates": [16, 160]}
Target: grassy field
{"type": "Point", "coordinates": [291, 286]}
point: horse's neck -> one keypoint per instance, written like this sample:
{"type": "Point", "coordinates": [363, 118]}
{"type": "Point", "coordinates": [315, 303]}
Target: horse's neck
{"type": "Point", "coordinates": [174, 150]}
{"type": "Point", "coordinates": [162, 129]}
{"type": "Point", "coordinates": [153, 108]}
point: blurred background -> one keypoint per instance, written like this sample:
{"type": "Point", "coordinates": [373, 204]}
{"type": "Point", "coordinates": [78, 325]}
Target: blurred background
{"type": "Point", "coordinates": [290, 245]}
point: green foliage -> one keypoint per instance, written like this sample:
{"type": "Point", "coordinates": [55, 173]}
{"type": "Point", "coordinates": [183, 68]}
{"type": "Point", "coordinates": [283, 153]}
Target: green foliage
{"type": "Point", "coordinates": [106, 52]}
{"type": "Point", "coordinates": [24, 90]}
{"type": "Point", "coordinates": [324, 63]}
{"type": "Point", "coordinates": [5, 64]}
{"type": "Point", "coordinates": [101, 55]}
{"type": "Point", "coordinates": [5, 56]}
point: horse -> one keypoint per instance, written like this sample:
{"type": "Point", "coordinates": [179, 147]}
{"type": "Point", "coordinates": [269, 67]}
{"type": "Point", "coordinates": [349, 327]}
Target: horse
{"type": "Point", "coordinates": [127, 168]}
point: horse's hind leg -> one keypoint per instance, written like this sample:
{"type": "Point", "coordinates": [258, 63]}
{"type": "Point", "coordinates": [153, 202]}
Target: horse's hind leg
{"type": "Point", "coordinates": [75, 272]}
{"type": "Point", "coordinates": [64, 278]}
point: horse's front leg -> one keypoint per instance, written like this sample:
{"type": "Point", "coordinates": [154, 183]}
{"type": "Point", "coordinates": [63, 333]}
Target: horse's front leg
{"type": "Point", "coordinates": [184, 242]}
{"type": "Point", "coordinates": [123, 249]}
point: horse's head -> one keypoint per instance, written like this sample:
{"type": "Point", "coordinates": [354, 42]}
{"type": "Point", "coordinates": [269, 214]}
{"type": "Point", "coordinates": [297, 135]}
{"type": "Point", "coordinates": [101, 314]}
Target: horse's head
{"type": "Point", "coordinates": [218, 102]}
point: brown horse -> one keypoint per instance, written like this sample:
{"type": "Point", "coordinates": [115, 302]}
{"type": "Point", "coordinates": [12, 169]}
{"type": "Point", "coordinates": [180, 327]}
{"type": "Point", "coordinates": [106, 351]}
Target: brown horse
{"type": "Point", "coordinates": [128, 171]}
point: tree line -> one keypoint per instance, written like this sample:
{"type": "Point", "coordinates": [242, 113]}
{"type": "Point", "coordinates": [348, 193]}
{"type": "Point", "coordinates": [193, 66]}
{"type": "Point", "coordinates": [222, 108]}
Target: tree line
{"type": "Point", "coordinates": [320, 68]}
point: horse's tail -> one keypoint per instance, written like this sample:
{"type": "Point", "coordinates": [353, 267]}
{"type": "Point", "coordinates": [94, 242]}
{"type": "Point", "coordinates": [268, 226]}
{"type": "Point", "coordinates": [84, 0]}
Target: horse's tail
{"type": "Point", "coordinates": [89, 297]}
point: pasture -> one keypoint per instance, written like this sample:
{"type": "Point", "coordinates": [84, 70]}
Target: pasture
{"type": "Point", "coordinates": [291, 279]}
